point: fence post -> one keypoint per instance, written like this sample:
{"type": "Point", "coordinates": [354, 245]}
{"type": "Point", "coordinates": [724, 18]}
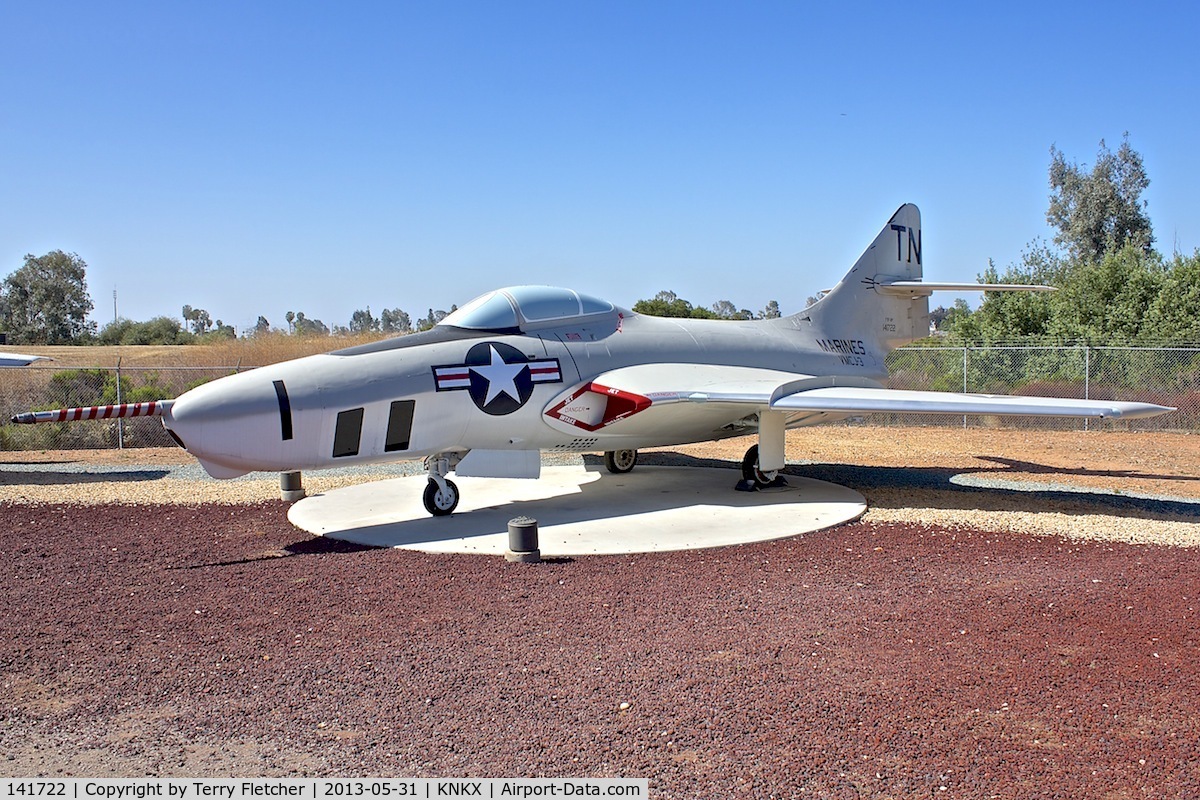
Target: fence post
{"type": "Point", "coordinates": [1087, 372]}
{"type": "Point", "coordinates": [120, 422]}
{"type": "Point", "coordinates": [965, 349]}
{"type": "Point", "coordinates": [1087, 381]}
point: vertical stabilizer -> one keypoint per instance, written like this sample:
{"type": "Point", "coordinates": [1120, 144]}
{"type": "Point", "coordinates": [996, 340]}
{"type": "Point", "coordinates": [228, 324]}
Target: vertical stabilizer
{"type": "Point", "coordinates": [857, 305]}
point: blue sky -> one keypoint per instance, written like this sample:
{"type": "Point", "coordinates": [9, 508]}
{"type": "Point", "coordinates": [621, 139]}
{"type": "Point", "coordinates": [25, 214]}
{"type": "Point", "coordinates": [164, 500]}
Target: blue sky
{"type": "Point", "coordinates": [255, 158]}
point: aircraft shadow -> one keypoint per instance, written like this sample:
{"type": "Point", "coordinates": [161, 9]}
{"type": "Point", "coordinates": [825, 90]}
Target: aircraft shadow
{"type": "Point", "coordinates": [62, 477]}
{"type": "Point", "coordinates": [316, 546]}
{"type": "Point", "coordinates": [955, 496]}
{"type": "Point", "coordinates": [1033, 468]}
{"type": "Point", "coordinates": [934, 488]}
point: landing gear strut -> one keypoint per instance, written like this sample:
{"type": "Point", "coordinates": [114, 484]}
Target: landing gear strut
{"type": "Point", "coordinates": [441, 495]}
{"type": "Point", "coordinates": [754, 478]}
{"type": "Point", "coordinates": [620, 461]}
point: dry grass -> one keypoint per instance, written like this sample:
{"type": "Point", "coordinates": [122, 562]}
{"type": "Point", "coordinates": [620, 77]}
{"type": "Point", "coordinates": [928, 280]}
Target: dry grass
{"type": "Point", "coordinates": [248, 352]}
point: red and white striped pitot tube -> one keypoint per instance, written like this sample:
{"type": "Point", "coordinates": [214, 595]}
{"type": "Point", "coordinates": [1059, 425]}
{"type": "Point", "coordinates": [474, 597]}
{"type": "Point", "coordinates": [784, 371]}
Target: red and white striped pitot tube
{"type": "Point", "coordinates": [154, 408]}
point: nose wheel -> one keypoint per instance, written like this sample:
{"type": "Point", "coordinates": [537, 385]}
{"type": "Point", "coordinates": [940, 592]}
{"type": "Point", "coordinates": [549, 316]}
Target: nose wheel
{"type": "Point", "coordinates": [441, 495]}
{"type": "Point", "coordinates": [440, 500]}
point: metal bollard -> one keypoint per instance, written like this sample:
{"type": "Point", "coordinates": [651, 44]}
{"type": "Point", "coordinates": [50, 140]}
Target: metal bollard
{"type": "Point", "coordinates": [290, 488]}
{"type": "Point", "coordinates": [523, 541]}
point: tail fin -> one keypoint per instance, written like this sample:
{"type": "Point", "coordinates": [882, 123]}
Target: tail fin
{"type": "Point", "coordinates": [863, 300]}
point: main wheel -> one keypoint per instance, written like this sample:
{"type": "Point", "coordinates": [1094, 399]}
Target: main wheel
{"type": "Point", "coordinates": [620, 461]}
{"type": "Point", "coordinates": [751, 472]}
{"type": "Point", "coordinates": [438, 502]}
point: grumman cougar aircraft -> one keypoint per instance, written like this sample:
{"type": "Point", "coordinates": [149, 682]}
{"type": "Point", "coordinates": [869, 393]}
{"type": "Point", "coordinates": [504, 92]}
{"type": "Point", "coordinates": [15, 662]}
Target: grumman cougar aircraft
{"type": "Point", "coordinates": [532, 368]}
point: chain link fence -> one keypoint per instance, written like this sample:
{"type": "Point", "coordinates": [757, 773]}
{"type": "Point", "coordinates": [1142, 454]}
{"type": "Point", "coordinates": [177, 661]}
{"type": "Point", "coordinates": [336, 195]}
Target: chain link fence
{"type": "Point", "coordinates": [40, 388]}
{"type": "Point", "coordinates": [1165, 375]}
{"type": "Point", "coordinates": [1168, 376]}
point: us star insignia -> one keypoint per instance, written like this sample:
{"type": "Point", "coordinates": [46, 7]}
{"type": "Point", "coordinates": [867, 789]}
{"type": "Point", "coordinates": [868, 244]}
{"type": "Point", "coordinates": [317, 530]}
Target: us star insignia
{"type": "Point", "coordinates": [499, 378]}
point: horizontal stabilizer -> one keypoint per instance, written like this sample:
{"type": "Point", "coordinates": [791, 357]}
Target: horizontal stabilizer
{"type": "Point", "coordinates": [852, 400]}
{"type": "Point", "coordinates": [924, 288]}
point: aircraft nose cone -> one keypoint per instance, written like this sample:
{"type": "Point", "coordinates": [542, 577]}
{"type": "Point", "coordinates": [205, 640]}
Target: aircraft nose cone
{"type": "Point", "coordinates": [231, 424]}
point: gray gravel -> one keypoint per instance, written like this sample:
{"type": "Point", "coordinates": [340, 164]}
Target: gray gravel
{"type": "Point", "coordinates": [928, 495]}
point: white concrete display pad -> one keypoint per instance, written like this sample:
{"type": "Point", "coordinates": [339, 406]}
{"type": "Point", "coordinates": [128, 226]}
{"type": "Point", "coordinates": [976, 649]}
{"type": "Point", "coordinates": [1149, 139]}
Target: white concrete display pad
{"type": "Point", "coordinates": [580, 512]}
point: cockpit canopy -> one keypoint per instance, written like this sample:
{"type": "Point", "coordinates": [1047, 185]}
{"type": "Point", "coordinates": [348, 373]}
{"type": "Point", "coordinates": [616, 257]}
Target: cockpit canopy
{"type": "Point", "coordinates": [522, 308]}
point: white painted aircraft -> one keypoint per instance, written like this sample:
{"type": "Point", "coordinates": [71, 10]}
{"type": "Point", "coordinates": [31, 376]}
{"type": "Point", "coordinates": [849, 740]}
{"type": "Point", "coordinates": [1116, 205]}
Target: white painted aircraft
{"type": "Point", "coordinates": [534, 368]}
{"type": "Point", "coordinates": [19, 359]}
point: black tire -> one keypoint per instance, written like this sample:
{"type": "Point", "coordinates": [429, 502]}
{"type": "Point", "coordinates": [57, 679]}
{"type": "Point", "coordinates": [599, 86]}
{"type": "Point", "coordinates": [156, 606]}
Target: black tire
{"type": "Point", "coordinates": [440, 503]}
{"type": "Point", "coordinates": [620, 461]}
{"type": "Point", "coordinates": [751, 472]}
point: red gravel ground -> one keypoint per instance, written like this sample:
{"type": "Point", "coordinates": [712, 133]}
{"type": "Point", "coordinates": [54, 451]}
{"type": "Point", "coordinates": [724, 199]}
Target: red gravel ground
{"type": "Point", "coordinates": [864, 661]}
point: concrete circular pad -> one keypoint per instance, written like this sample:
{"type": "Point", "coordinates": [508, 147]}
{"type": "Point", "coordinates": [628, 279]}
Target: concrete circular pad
{"type": "Point", "coordinates": [580, 512]}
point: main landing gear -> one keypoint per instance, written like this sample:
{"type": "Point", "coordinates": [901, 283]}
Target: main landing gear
{"type": "Point", "coordinates": [441, 495]}
{"type": "Point", "coordinates": [620, 461]}
{"type": "Point", "coordinates": [754, 478]}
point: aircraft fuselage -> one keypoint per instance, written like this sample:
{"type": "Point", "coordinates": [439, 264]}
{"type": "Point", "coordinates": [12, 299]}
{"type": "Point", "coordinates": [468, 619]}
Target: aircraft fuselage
{"type": "Point", "coordinates": [454, 390]}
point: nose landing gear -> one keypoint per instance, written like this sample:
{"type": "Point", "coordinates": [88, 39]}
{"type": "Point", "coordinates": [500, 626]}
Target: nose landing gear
{"type": "Point", "coordinates": [441, 495]}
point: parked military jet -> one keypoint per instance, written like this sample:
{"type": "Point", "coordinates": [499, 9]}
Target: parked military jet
{"type": "Point", "coordinates": [534, 368]}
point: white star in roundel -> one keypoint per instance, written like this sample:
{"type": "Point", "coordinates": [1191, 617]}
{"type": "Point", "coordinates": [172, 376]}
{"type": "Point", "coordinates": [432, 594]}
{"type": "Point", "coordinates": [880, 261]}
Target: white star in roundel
{"type": "Point", "coordinates": [501, 377]}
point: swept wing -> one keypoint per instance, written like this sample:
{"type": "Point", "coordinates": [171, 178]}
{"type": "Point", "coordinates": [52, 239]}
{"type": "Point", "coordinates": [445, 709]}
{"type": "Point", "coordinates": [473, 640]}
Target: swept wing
{"type": "Point", "coordinates": [641, 398]}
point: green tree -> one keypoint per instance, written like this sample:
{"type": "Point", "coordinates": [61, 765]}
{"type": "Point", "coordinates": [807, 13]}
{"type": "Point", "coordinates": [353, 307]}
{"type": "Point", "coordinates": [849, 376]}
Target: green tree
{"type": "Point", "coordinates": [724, 309]}
{"type": "Point", "coordinates": [363, 321]}
{"type": "Point", "coordinates": [394, 320]}
{"type": "Point", "coordinates": [433, 318]}
{"type": "Point", "coordinates": [1174, 314]}
{"type": "Point", "coordinates": [771, 311]}
{"type": "Point", "coordinates": [303, 326]}
{"type": "Point", "coordinates": [160, 330]}
{"type": "Point", "coordinates": [220, 331]}
{"type": "Point", "coordinates": [1102, 210]}
{"type": "Point", "coordinates": [82, 387]}
{"type": "Point", "coordinates": [953, 316]}
{"type": "Point", "coordinates": [1107, 302]}
{"type": "Point", "coordinates": [1011, 315]}
{"type": "Point", "coordinates": [668, 304]}
{"type": "Point", "coordinates": [46, 301]}
{"type": "Point", "coordinates": [198, 319]}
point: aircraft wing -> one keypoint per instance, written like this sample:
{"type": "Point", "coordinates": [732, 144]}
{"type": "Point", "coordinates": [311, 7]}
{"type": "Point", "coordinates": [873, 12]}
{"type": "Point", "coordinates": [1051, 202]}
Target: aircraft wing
{"type": "Point", "coordinates": [645, 398]}
{"type": "Point", "coordinates": [858, 400]}
{"type": "Point", "coordinates": [20, 359]}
